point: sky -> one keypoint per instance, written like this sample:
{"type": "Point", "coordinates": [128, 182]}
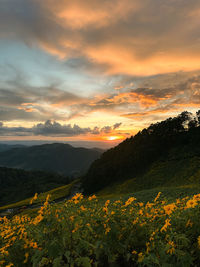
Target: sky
{"type": "Point", "coordinates": [93, 70]}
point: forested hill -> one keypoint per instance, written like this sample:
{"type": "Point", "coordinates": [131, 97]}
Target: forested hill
{"type": "Point", "coordinates": [61, 158]}
{"type": "Point", "coordinates": [18, 184]}
{"type": "Point", "coordinates": [175, 139]}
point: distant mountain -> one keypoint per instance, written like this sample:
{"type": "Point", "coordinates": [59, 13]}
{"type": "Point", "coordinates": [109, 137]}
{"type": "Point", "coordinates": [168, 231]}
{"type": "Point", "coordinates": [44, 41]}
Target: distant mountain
{"type": "Point", "coordinates": [5, 147]}
{"type": "Point", "coordinates": [61, 158]}
{"type": "Point", "coordinates": [165, 153]}
{"type": "Point", "coordinates": [16, 184]}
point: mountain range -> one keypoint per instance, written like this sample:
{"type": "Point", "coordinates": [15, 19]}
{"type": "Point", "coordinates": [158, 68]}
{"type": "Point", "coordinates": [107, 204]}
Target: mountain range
{"type": "Point", "coordinates": [58, 157]}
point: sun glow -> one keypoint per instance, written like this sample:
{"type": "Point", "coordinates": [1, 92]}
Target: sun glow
{"type": "Point", "coordinates": [113, 137]}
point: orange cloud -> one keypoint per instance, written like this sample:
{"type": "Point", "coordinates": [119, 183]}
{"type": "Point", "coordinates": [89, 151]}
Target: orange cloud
{"type": "Point", "coordinates": [129, 37]}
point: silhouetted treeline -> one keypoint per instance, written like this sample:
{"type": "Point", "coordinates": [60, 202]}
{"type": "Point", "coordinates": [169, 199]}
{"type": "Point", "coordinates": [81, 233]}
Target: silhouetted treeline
{"type": "Point", "coordinates": [135, 155]}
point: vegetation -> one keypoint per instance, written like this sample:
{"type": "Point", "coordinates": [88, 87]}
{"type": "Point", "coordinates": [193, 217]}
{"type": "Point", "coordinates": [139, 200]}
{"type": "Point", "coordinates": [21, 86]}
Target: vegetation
{"type": "Point", "coordinates": [18, 184]}
{"type": "Point", "coordinates": [166, 153]}
{"type": "Point", "coordinates": [90, 232]}
{"type": "Point", "coordinates": [130, 222]}
{"type": "Point", "coordinates": [60, 158]}
{"type": "Point", "coordinates": [55, 194]}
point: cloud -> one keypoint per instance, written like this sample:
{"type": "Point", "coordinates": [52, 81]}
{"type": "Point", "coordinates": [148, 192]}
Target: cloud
{"type": "Point", "coordinates": [130, 37]}
{"type": "Point", "coordinates": [53, 129]}
{"type": "Point", "coordinates": [117, 125]}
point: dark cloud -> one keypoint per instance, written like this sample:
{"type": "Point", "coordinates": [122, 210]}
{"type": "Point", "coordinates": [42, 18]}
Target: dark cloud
{"type": "Point", "coordinates": [117, 125]}
{"type": "Point", "coordinates": [53, 128]}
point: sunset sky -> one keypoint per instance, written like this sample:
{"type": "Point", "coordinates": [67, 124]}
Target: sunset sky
{"type": "Point", "coordinates": [96, 70]}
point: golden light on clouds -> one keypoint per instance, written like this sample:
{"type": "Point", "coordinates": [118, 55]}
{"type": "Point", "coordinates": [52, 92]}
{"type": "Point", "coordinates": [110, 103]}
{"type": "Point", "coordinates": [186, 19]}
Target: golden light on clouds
{"type": "Point", "coordinates": [96, 70]}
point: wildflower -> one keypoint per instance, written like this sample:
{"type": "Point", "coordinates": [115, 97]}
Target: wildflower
{"type": "Point", "coordinates": [34, 198]}
{"type": "Point", "coordinates": [147, 247]}
{"type": "Point", "coordinates": [92, 197]}
{"type": "Point", "coordinates": [198, 240]}
{"type": "Point", "coordinates": [9, 265]}
{"type": "Point", "coordinates": [189, 223]}
{"type": "Point", "coordinates": [37, 219]}
{"type": "Point", "coordinates": [196, 197]}
{"type": "Point", "coordinates": [33, 244]}
{"type": "Point", "coordinates": [77, 198]}
{"type": "Point", "coordinates": [167, 223]}
{"type": "Point", "coordinates": [71, 218]}
{"type": "Point", "coordinates": [136, 221]}
{"type": "Point", "coordinates": [140, 257]}
{"type": "Point", "coordinates": [191, 203]}
{"type": "Point", "coordinates": [82, 208]}
{"type": "Point", "coordinates": [171, 250]}
{"type": "Point", "coordinates": [107, 230]}
{"type": "Point", "coordinates": [157, 197]}
{"type": "Point", "coordinates": [169, 208]}
{"type": "Point", "coordinates": [105, 209]}
{"type": "Point", "coordinates": [134, 252]}
{"type": "Point", "coordinates": [140, 212]}
{"type": "Point", "coordinates": [107, 203]}
{"type": "Point", "coordinates": [129, 201]}
{"type": "Point", "coordinates": [26, 257]}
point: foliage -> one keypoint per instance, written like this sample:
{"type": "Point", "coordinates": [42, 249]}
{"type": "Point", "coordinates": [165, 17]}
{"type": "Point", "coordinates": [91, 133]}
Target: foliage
{"type": "Point", "coordinates": [19, 184]}
{"type": "Point", "coordinates": [56, 194]}
{"type": "Point", "coordinates": [93, 232]}
{"type": "Point", "coordinates": [172, 145]}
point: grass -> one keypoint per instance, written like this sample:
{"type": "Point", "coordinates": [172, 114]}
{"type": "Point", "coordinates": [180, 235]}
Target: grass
{"type": "Point", "coordinates": [56, 193]}
{"type": "Point", "coordinates": [130, 188]}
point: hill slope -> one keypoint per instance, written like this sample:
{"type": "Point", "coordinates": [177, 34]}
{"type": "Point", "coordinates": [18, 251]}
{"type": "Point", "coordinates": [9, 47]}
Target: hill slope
{"type": "Point", "coordinates": [16, 184]}
{"type": "Point", "coordinates": [166, 153]}
{"type": "Point", "coordinates": [58, 157]}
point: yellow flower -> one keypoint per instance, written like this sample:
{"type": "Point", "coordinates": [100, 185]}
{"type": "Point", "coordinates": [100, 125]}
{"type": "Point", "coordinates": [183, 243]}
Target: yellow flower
{"type": "Point", "coordinates": [171, 250]}
{"type": "Point", "coordinates": [167, 223]}
{"type": "Point", "coordinates": [198, 240]}
{"type": "Point", "coordinates": [148, 247]}
{"type": "Point", "coordinates": [134, 252]}
{"type": "Point", "coordinates": [140, 257]}
{"type": "Point", "coordinates": [9, 265]}
{"type": "Point", "coordinates": [107, 230]}
{"type": "Point", "coordinates": [189, 223]}
{"type": "Point", "coordinates": [33, 244]}
{"type": "Point", "coordinates": [71, 218]}
{"type": "Point", "coordinates": [77, 198]}
{"type": "Point", "coordinates": [34, 198]}
{"type": "Point", "coordinates": [129, 201]}
{"type": "Point", "coordinates": [197, 197]}
{"type": "Point", "coordinates": [169, 208]}
{"type": "Point", "coordinates": [107, 203]}
{"type": "Point", "coordinates": [191, 203]}
{"type": "Point", "coordinates": [26, 257]}
{"type": "Point", "coordinates": [82, 208]}
{"type": "Point", "coordinates": [157, 197]}
{"type": "Point", "coordinates": [92, 197]}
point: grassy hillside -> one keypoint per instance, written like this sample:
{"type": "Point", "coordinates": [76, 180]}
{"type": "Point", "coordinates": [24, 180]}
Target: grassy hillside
{"type": "Point", "coordinates": [55, 194]}
{"type": "Point", "coordinates": [164, 154]}
{"type": "Point", "coordinates": [16, 184]}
